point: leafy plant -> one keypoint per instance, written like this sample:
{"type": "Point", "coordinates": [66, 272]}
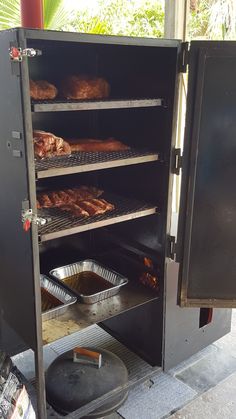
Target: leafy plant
{"type": "Point", "coordinates": [222, 21]}
{"type": "Point", "coordinates": [122, 17]}
{"type": "Point", "coordinates": [9, 14]}
{"type": "Point", "coordinates": [199, 20]}
{"type": "Point", "coordinates": [209, 19]}
{"type": "Point", "coordinates": [213, 19]}
{"type": "Point", "coordinates": [55, 14]}
{"type": "Point", "coordinates": [149, 21]}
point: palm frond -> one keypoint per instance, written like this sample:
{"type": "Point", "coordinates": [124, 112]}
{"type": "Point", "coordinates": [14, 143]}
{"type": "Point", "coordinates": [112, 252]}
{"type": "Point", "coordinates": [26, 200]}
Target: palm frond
{"type": "Point", "coordinates": [222, 22]}
{"type": "Point", "coordinates": [95, 26]}
{"type": "Point", "coordinates": [9, 13]}
{"type": "Point", "coordinates": [55, 14]}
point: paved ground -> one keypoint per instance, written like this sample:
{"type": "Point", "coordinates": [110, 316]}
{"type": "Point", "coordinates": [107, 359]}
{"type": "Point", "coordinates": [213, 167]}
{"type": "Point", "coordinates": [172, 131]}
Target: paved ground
{"type": "Point", "coordinates": [204, 387]}
{"type": "Point", "coordinates": [220, 401]}
{"type": "Point", "coordinates": [217, 403]}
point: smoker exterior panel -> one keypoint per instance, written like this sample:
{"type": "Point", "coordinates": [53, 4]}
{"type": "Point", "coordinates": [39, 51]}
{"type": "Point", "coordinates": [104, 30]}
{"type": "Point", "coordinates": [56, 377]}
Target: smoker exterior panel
{"type": "Point", "coordinates": [10, 342]}
{"type": "Point", "coordinates": [182, 335]}
{"type": "Point", "coordinates": [206, 247]}
{"type": "Point", "coordinates": [16, 258]}
{"type": "Point", "coordinates": [97, 39]}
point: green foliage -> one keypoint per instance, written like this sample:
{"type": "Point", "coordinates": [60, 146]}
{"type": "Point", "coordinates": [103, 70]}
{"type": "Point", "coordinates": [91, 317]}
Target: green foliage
{"type": "Point", "coordinates": [94, 25]}
{"type": "Point", "coordinates": [118, 17]}
{"type": "Point", "coordinates": [213, 19]}
{"type": "Point", "coordinates": [122, 17]}
{"type": "Point", "coordinates": [148, 21]}
{"type": "Point", "coordinates": [87, 24]}
{"type": "Point", "coordinates": [9, 14]}
{"type": "Point", "coordinates": [222, 22]}
{"type": "Point", "coordinates": [55, 14]}
{"type": "Point", "coordinates": [199, 20]}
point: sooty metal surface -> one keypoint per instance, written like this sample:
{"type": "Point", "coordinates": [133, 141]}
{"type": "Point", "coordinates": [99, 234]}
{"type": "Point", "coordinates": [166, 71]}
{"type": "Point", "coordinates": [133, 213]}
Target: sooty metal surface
{"type": "Point", "coordinates": [60, 223]}
{"type": "Point", "coordinates": [80, 316]}
{"type": "Point", "coordinates": [83, 105]}
{"type": "Point", "coordinates": [88, 161]}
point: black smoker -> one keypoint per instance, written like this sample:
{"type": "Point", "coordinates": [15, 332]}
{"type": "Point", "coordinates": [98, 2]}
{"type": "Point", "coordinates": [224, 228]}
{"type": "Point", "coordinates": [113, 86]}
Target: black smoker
{"type": "Point", "coordinates": [144, 75]}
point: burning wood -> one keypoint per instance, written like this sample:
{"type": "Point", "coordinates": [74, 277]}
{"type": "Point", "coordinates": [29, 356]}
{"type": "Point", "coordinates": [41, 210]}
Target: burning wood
{"type": "Point", "coordinates": [148, 279]}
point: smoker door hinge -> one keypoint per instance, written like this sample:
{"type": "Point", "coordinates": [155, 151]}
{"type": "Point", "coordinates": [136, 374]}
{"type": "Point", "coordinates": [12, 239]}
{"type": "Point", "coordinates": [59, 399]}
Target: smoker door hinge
{"type": "Point", "coordinates": [184, 57]}
{"type": "Point", "coordinates": [171, 247]}
{"type": "Point", "coordinates": [17, 53]}
{"type": "Point", "coordinates": [177, 161]}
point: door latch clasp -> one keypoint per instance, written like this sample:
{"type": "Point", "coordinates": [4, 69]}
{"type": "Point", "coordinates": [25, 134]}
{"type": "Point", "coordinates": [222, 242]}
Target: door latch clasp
{"type": "Point", "coordinates": [17, 54]}
{"type": "Point", "coordinates": [28, 218]}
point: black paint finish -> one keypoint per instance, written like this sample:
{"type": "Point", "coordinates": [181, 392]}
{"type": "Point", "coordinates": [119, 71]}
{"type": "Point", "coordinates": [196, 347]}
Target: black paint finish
{"type": "Point", "coordinates": [16, 260]}
{"type": "Point", "coordinates": [208, 218]}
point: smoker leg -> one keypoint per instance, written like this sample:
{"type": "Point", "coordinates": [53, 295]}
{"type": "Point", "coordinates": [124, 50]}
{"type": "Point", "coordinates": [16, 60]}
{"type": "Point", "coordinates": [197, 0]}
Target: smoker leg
{"type": "Point", "coordinates": [40, 383]}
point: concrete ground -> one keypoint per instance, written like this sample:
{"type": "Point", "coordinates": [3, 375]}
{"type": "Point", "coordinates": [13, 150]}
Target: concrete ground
{"type": "Point", "coordinates": [203, 387]}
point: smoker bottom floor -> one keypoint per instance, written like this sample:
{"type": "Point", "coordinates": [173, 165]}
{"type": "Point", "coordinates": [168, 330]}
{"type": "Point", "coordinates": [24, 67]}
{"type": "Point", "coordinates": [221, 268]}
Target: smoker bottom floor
{"type": "Point", "coordinates": [200, 380]}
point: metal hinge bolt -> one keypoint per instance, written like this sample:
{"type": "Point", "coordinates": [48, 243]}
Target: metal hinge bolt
{"type": "Point", "coordinates": [184, 57]}
{"type": "Point", "coordinates": [178, 159]}
{"type": "Point", "coordinates": [171, 251]}
{"type": "Point", "coordinates": [17, 54]}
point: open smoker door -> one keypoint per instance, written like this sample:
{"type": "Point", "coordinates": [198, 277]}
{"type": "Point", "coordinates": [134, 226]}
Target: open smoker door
{"type": "Point", "coordinates": [206, 246]}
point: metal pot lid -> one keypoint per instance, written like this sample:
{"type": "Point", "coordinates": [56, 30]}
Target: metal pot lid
{"type": "Point", "coordinates": [71, 385]}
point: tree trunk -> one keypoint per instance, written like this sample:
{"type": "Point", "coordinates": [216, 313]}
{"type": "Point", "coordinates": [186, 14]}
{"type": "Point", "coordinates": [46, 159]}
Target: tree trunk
{"type": "Point", "coordinates": [193, 5]}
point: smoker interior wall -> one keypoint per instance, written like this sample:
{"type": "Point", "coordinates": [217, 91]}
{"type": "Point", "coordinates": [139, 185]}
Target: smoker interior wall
{"type": "Point", "coordinates": [133, 71]}
{"type": "Point", "coordinates": [140, 330]}
{"type": "Point", "coordinates": [66, 250]}
{"type": "Point", "coordinates": [137, 127]}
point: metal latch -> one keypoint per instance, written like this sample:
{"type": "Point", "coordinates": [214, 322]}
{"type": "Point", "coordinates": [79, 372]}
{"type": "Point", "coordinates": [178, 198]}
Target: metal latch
{"type": "Point", "coordinates": [17, 54]}
{"type": "Point", "coordinates": [177, 163]}
{"type": "Point", "coordinates": [171, 247]}
{"type": "Point", "coordinates": [28, 218]}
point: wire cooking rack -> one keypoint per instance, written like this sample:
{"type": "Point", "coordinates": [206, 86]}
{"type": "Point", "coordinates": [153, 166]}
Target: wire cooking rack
{"type": "Point", "coordinates": [87, 158]}
{"type": "Point", "coordinates": [61, 223]}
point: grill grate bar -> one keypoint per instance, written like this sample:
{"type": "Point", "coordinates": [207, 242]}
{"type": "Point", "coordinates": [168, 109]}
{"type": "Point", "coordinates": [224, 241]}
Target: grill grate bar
{"type": "Point", "coordinates": [83, 105]}
{"type": "Point", "coordinates": [89, 161]}
{"type": "Point", "coordinates": [60, 223]}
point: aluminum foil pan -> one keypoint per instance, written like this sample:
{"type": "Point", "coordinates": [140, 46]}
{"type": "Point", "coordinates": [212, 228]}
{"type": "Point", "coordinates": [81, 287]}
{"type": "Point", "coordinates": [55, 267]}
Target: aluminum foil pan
{"type": "Point", "coordinates": [116, 280]}
{"type": "Point", "coordinates": [60, 293]}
